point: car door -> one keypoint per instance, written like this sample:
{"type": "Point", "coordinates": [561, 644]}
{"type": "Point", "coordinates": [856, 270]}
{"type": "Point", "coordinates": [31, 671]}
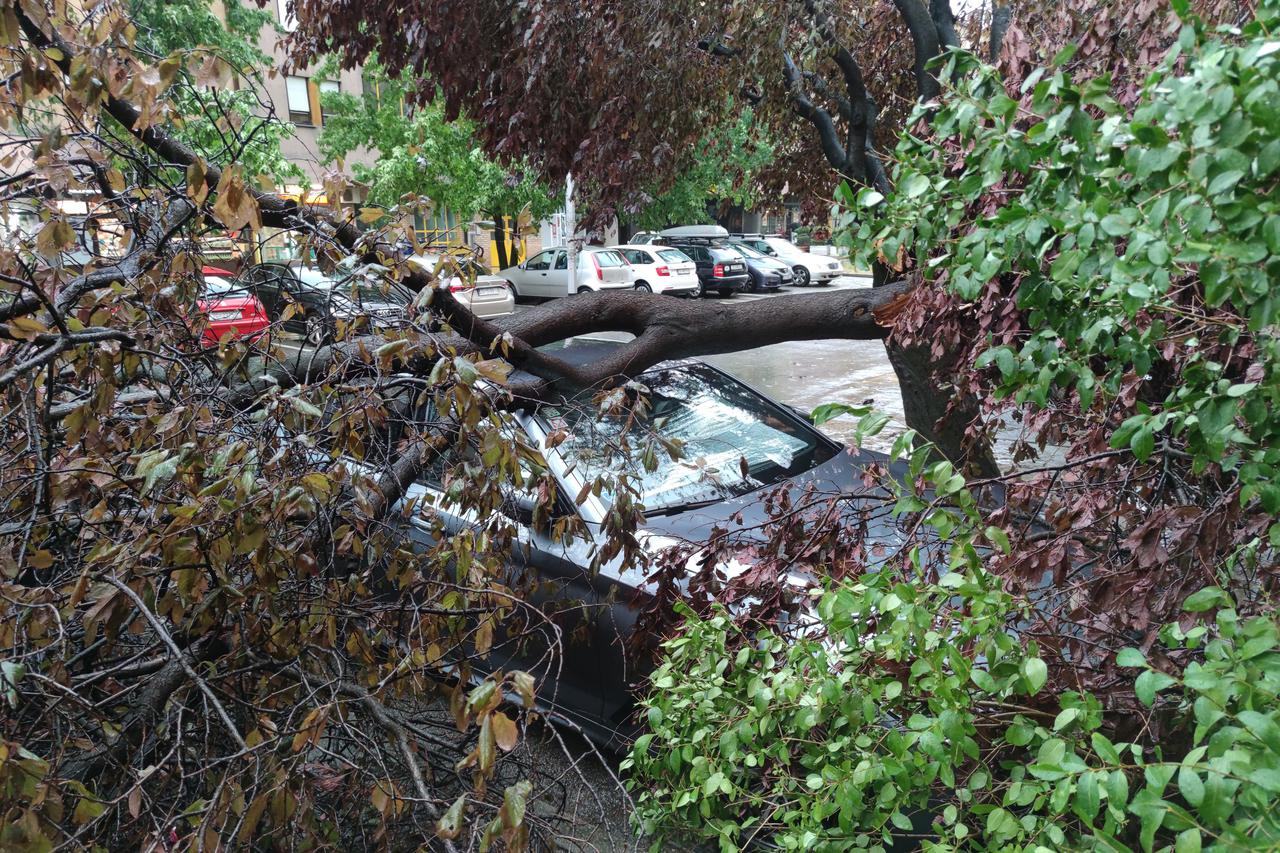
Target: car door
{"type": "Point", "coordinates": [307, 303]}
{"type": "Point", "coordinates": [558, 276]}
{"type": "Point", "coordinates": [701, 258]}
{"type": "Point", "coordinates": [532, 280]}
{"type": "Point", "coordinates": [554, 578]}
{"type": "Point", "coordinates": [265, 286]}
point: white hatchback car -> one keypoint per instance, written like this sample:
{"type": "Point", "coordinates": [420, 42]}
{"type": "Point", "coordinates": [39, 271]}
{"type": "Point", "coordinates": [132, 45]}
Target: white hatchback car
{"type": "Point", "coordinates": [547, 273]}
{"type": "Point", "coordinates": [484, 294]}
{"type": "Point", "coordinates": [661, 269]}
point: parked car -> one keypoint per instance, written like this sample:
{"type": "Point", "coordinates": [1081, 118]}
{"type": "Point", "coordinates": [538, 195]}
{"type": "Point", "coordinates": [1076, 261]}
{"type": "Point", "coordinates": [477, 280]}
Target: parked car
{"type": "Point", "coordinates": [661, 269]}
{"type": "Point", "coordinates": [546, 274]}
{"type": "Point", "coordinates": [752, 443]}
{"type": "Point", "coordinates": [808, 268]}
{"type": "Point", "coordinates": [229, 307]}
{"type": "Point", "coordinates": [364, 298]}
{"type": "Point", "coordinates": [766, 273]}
{"type": "Point", "coordinates": [720, 268]}
{"type": "Point", "coordinates": [486, 295]}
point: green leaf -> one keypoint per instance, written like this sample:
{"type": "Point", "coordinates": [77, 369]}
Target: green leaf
{"type": "Point", "coordinates": [1036, 673]}
{"type": "Point", "coordinates": [1149, 684]}
{"type": "Point", "coordinates": [1205, 599]}
{"type": "Point", "coordinates": [1130, 657]}
{"type": "Point", "coordinates": [1087, 798]}
{"type": "Point", "coordinates": [1190, 785]}
{"type": "Point", "coordinates": [1188, 841]}
{"type": "Point", "coordinates": [826, 411]}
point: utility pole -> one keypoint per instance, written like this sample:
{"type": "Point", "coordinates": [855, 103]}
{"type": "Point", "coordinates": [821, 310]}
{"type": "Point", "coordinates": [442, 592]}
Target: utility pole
{"type": "Point", "coordinates": [570, 229]}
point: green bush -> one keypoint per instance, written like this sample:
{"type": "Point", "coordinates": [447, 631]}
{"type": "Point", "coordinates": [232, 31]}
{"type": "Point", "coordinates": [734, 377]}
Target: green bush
{"type": "Point", "coordinates": [904, 702]}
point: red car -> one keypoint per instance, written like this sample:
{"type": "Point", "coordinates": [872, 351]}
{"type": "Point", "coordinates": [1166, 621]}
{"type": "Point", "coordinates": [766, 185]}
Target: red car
{"type": "Point", "coordinates": [229, 308]}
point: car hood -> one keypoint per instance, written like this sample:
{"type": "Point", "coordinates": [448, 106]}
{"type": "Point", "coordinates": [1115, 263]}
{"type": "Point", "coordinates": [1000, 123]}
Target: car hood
{"type": "Point", "coordinates": [841, 474]}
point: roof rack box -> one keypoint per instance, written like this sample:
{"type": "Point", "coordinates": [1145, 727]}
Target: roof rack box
{"type": "Point", "coordinates": [707, 232]}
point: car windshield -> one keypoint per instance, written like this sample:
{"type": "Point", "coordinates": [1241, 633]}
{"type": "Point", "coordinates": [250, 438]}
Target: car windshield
{"type": "Point", "coordinates": [733, 441]}
{"type": "Point", "coordinates": [216, 285]}
{"type": "Point", "coordinates": [674, 256]}
{"type": "Point", "coordinates": [365, 291]}
{"type": "Point", "coordinates": [750, 252]}
{"type": "Point", "coordinates": [725, 253]}
{"type": "Point", "coordinates": [469, 266]}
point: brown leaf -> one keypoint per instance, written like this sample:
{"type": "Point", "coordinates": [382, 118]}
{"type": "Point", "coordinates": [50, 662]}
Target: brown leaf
{"type": "Point", "coordinates": [505, 732]}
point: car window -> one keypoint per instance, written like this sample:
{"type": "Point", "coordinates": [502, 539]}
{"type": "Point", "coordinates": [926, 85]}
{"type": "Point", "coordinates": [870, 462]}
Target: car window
{"type": "Point", "coordinates": [748, 250]}
{"type": "Point", "coordinates": [360, 289]}
{"type": "Point", "coordinates": [781, 246]}
{"type": "Point", "coordinates": [540, 261]}
{"type": "Point", "coordinates": [610, 259]}
{"type": "Point", "coordinates": [216, 285]}
{"type": "Point", "coordinates": [635, 256]}
{"type": "Point", "coordinates": [719, 422]}
{"type": "Point", "coordinates": [562, 260]}
{"type": "Point", "coordinates": [724, 253]}
{"type": "Point", "coordinates": [674, 256]}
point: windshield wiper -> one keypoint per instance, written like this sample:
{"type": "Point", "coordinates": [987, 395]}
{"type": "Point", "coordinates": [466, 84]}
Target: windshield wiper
{"type": "Point", "coordinates": [675, 508]}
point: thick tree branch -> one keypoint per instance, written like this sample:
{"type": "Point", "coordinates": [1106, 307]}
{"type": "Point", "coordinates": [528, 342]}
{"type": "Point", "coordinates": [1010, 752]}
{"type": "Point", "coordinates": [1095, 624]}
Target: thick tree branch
{"type": "Point", "coordinates": [816, 115]}
{"type": "Point", "coordinates": [924, 38]}
{"type": "Point", "coordinates": [1001, 17]}
{"type": "Point", "coordinates": [823, 90]}
{"type": "Point", "coordinates": [944, 22]}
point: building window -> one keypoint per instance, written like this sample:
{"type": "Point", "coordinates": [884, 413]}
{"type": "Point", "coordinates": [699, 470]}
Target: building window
{"type": "Point", "coordinates": [299, 94]}
{"type": "Point", "coordinates": [287, 21]}
{"type": "Point", "coordinates": [326, 87]}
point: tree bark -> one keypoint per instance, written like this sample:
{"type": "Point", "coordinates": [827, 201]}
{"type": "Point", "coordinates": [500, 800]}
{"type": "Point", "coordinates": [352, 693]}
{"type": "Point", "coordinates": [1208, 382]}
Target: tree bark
{"type": "Point", "coordinates": [500, 238]}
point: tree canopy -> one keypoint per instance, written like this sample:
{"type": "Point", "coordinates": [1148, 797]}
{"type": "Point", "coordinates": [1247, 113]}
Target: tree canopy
{"type": "Point", "coordinates": [420, 153]}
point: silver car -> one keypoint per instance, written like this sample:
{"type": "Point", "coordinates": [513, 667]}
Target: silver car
{"type": "Point", "coordinates": [486, 295]}
{"type": "Point", "coordinates": [546, 274]}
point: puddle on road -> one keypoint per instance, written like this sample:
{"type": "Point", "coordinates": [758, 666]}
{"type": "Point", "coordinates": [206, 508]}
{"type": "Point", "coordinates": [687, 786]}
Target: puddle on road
{"type": "Point", "coordinates": [806, 374]}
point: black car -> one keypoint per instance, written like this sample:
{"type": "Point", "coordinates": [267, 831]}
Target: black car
{"type": "Point", "coordinates": [363, 299]}
{"type": "Point", "coordinates": [719, 268]}
{"type": "Point", "coordinates": [750, 444]}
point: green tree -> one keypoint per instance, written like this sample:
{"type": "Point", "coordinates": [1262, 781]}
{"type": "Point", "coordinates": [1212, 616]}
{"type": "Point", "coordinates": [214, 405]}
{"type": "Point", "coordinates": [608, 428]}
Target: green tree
{"type": "Point", "coordinates": [205, 52]}
{"type": "Point", "coordinates": [724, 171]}
{"type": "Point", "coordinates": [425, 155]}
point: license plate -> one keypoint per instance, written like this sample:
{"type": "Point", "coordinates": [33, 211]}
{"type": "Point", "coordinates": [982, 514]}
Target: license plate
{"type": "Point", "coordinates": [734, 267]}
{"type": "Point", "coordinates": [223, 315]}
{"type": "Point", "coordinates": [490, 291]}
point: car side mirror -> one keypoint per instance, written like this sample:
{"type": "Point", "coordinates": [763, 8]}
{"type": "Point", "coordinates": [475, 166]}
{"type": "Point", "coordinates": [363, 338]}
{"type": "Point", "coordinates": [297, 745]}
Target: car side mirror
{"type": "Point", "coordinates": [521, 264]}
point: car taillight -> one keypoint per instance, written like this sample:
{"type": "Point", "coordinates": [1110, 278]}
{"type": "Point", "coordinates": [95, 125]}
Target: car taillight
{"type": "Point", "coordinates": [662, 271]}
{"type": "Point", "coordinates": [457, 285]}
{"type": "Point", "coordinates": [599, 272]}
{"type": "Point", "coordinates": [718, 270]}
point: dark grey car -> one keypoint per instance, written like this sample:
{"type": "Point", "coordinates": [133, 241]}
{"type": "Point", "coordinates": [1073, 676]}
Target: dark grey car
{"type": "Point", "coordinates": [752, 444]}
{"type": "Point", "coordinates": [325, 298]}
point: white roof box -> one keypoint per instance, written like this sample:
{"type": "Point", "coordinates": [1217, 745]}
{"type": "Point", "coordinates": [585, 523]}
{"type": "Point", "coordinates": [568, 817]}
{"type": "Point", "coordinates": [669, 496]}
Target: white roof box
{"type": "Point", "coordinates": [708, 232]}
